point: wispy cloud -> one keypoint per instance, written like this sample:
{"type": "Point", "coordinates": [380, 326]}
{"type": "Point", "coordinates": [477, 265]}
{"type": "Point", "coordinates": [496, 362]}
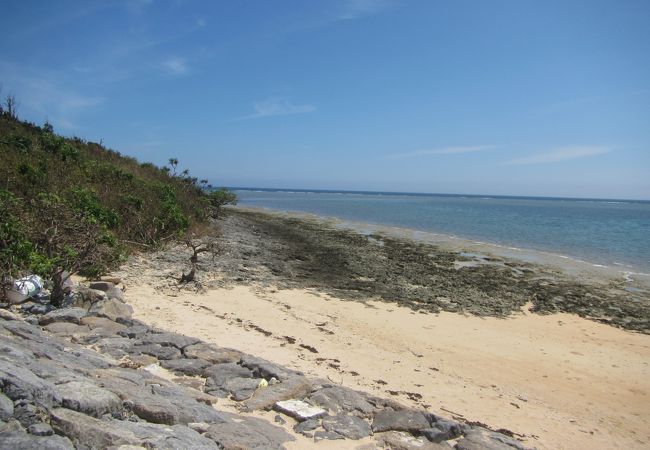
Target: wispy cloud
{"type": "Point", "coordinates": [138, 6]}
{"type": "Point", "coordinates": [354, 9]}
{"type": "Point", "coordinates": [441, 151]}
{"type": "Point", "coordinates": [559, 155]}
{"type": "Point", "coordinates": [175, 66]}
{"type": "Point", "coordinates": [277, 106]}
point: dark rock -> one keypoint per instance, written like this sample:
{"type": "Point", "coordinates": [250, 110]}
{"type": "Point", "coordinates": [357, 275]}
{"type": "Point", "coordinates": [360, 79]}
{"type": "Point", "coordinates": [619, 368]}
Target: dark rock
{"type": "Point", "coordinates": [23, 441]}
{"type": "Point", "coordinates": [115, 293]}
{"type": "Point", "coordinates": [112, 309]}
{"type": "Point", "coordinates": [103, 323]}
{"type": "Point", "coordinates": [351, 427]}
{"type": "Point", "coordinates": [192, 367]}
{"type": "Point", "coordinates": [66, 328]}
{"type": "Point", "coordinates": [6, 407]}
{"type": "Point", "coordinates": [188, 409]}
{"type": "Point", "coordinates": [211, 354]}
{"type": "Point", "coordinates": [134, 332]}
{"type": "Point", "coordinates": [20, 383]}
{"type": "Point", "coordinates": [158, 351]}
{"type": "Point", "coordinates": [85, 298]}
{"type": "Point", "coordinates": [307, 425]}
{"type": "Point", "coordinates": [176, 437]}
{"type": "Point", "coordinates": [326, 435]}
{"type": "Point", "coordinates": [40, 429]}
{"type": "Point", "coordinates": [295, 387]}
{"type": "Point", "coordinates": [241, 388]}
{"type": "Point", "coordinates": [101, 285]}
{"type": "Point", "coordinates": [480, 439]}
{"type": "Point", "coordinates": [219, 374]}
{"type": "Point", "coordinates": [397, 440]}
{"type": "Point", "coordinates": [168, 340]}
{"type": "Point", "coordinates": [267, 370]}
{"type": "Point", "coordinates": [28, 413]}
{"type": "Point", "coordinates": [442, 430]}
{"type": "Point", "coordinates": [248, 433]}
{"type": "Point", "coordinates": [278, 419]}
{"type": "Point", "coordinates": [73, 315]}
{"type": "Point", "coordinates": [89, 399]}
{"type": "Point", "coordinates": [10, 426]}
{"type": "Point", "coordinates": [402, 420]}
{"type": "Point", "coordinates": [339, 400]}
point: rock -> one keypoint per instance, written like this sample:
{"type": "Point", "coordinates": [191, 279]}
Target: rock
{"type": "Point", "coordinates": [294, 387]}
{"type": "Point", "coordinates": [111, 279]}
{"type": "Point", "coordinates": [188, 408]}
{"type": "Point", "coordinates": [18, 441]}
{"type": "Point", "coordinates": [199, 427]}
{"type": "Point", "coordinates": [87, 431]}
{"type": "Point", "coordinates": [66, 328]}
{"type": "Point", "coordinates": [85, 298]}
{"type": "Point", "coordinates": [12, 425]}
{"type": "Point", "coordinates": [40, 429]}
{"type": "Point", "coordinates": [20, 383]}
{"type": "Point", "coordinates": [480, 439]}
{"type": "Point", "coordinates": [8, 315]}
{"type": "Point", "coordinates": [395, 440]}
{"type": "Point", "coordinates": [218, 374]}
{"type": "Point", "coordinates": [351, 427]}
{"type": "Point", "coordinates": [6, 407]}
{"type": "Point", "coordinates": [168, 340]}
{"type": "Point", "coordinates": [307, 425]}
{"type": "Point", "coordinates": [278, 419]}
{"type": "Point", "coordinates": [89, 399]}
{"type": "Point", "coordinates": [115, 293]}
{"type": "Point", "coordinates": [326, 435]}
{"type": "Point", "coordinates": [402, 420]}
{"type": "Point", "coordinates": [267, 370]}
{"type": "Point", "coordinates": [242, 388]}
{"type": "Point", "coordinates": [442, 430]}
{"type": "Point", "coordinates": [192, 367]}
{"type": "Point", "coordinates": [339, 400]}
{"type": "Point", "coordinates": [299, 410]}
{"type": "Point", "coordinates": [73, 315]}
{"type": "Point", "coordinates": [134, 332]}
{"type": "Point", "coordinates": [101, 285]}
{"type": "Point", "coordinates": [177, 437]}
{"type": "Point", "coordinates": [28, 413]}
{"type": "Point", "coordinates": [211, 354]}
{"type": "Point", "coordinates": [103, 323]}
{"type": "Point", "coordinates": [248, 433]}
{"type": "Point", "coordinates": [158, 351]}
{"type": "Point", "coordinates": [112, 309]}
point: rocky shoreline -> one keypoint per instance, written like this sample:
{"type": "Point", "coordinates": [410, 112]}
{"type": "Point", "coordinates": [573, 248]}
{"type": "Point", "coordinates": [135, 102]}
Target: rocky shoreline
{"type": "Point", "coordinates": [81, 377]}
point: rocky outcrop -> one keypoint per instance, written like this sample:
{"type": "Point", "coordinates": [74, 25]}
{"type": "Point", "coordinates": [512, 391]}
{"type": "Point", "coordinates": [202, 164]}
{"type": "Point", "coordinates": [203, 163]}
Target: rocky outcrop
{"type": "Point", "coordinates": [81, 378]}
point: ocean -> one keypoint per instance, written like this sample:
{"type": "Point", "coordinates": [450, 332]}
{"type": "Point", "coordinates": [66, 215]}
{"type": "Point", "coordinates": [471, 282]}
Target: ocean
{"type": "Point", "coordinates": [601, 232]}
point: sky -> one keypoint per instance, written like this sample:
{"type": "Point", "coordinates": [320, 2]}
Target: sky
{"type": "Point", "coordinates": [502, 97]}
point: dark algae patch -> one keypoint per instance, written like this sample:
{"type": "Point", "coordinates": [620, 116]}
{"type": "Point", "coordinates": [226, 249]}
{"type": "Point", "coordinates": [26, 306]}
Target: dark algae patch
{"type": "Point", "coordinates": [290, 252]}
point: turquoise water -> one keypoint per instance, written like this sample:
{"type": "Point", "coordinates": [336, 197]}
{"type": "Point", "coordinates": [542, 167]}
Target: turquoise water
{"type": "Point", "coordinates": [607, 232]}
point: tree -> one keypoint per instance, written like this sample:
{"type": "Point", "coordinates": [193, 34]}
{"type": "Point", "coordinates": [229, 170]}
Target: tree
{"type": "Point", "coordinates": [220, 198]}
{"type": "Point", "coordinates": [12, 106]}
{"type": "Point", "coordinates": [173, 162]}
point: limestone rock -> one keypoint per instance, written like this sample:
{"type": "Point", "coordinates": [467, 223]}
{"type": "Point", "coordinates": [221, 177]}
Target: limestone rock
{"type": "Point", "coordinates": [351, 427]}
{"type": "Point", "coordinates": [402, 420]}
{"type": "Point", "coordinates": [89, 399]}
{"type": "Point", "coordinates": [73, 315]}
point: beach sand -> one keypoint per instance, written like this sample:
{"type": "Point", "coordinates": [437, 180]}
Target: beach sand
{"type": "Point", "coordinates": [560, 381]}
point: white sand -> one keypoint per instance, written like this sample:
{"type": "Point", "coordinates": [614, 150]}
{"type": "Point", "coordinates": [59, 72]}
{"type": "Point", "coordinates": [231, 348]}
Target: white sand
{"type": "Point", "coordinates": [562, 381]}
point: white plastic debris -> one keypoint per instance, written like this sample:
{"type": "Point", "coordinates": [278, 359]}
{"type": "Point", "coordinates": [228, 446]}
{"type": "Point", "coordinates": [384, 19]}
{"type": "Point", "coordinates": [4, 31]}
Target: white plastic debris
{"type": "Point", "coordinates": [299, 410]}
{"type": "Point", "coordinates": [24, 288]}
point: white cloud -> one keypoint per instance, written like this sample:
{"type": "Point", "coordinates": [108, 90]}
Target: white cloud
{"type": "Point", "coordinates": [278, 106]}
{"type": "Point", "coordinates": [559, 155]}
{"type": "Point", "coordinates": [354, 9]}
{"type": "Point", "coordinates": [441, 151]}
{"type": "Point", "coordinates": [175, 66]}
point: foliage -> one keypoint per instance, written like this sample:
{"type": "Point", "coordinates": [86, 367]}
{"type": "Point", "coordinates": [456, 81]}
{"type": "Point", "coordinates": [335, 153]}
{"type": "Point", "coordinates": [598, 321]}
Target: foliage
{"type": "Point", "coordinates": [71, 205]}
{"type": "Point", "coordinates": [220, 198]}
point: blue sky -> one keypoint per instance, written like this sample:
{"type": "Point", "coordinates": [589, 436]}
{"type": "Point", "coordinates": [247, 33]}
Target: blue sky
{"type": "Point", "coordinates": [515, 97]}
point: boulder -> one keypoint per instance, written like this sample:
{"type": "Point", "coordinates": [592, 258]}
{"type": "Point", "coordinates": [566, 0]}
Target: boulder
{"type": "Point", "coordinates": [295, 387]}
{"type": "Point", "coordinates": [248, 433]}
{"type": "Point", "coordinates": [442, 430]}
{"type": "Point", "coordinates": [86, 431]}
{"type": "Point", "coordinates": [73, 315]}
{"type": "Point", "coordinates": [89, 399]}
{"type": "Point", "coordinates": [112, 309]}
{"type": "Point", "coordinates": [401, 420]}
{"type": "Point", "coordinates": [40, 429]}
{"type": "Point", "coordinates": [481, 439]}
{"type": "Point", "coordinates": [17, 440]}
{"type": "Point", "coordinates": [21, 383]}
{"type": "Point", "coordinates": [167, 437]}
{"type": "Point", "coordinates": [396, 440]}
{"type": "Point", "coordinates": [338, 399]}
{"type": "Point", "coordinates": [218, 374]}
{"type": "Point", "coordinates": [351, 427]}
{"type": "Point", "coordinates": [85, 298]}
{"type": "Point", "coordinates": [65, 328]}
{"type": "Point", "coordinates": [192, 367]}
{"type": "Point", "coordinates": [6, 407]}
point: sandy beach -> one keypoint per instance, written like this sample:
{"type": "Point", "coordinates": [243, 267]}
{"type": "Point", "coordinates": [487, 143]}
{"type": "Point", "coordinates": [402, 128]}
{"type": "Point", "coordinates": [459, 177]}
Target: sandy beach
{"type": "Point", "coordinates": [556, 381]}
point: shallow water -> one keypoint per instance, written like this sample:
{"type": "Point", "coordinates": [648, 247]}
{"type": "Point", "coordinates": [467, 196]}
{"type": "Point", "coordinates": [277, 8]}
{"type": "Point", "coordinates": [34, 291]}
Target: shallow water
{"type": "Point", "coordinates": [602, 232]}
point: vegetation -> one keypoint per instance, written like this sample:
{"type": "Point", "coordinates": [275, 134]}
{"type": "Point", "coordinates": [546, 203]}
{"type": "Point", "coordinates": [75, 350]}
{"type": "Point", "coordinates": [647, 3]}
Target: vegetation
{"type": "Point", "coordinates": [68, 205]}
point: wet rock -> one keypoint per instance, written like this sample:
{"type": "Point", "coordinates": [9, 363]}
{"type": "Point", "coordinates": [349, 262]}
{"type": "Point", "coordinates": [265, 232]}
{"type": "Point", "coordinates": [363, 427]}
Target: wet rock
{"type": "Point", "coordinates": [168, 340]}
{"type": "Point", "coordinates": [192, 367]}
{"type": "Point", "coordinates": [89, 399]}
{"type": "Point", "coordinates": [481, 439]}
{"type": "Point", "coordinates": [158, 351]}
{"type": "Point", "coordinates": [6, 407]}
{"type": "Point", "coordinates": [18, 440]}
{"type": "Point", "coordinates": [351, 427]}
{"type": "Point", "coordinates": [40, 429]}
{"type": "Point", "coordinates": [248, 433]}
{"type": "Point", "coordinates": [339, 400]}
{"type": "Point", "coordinates": [112, 309]}
{"type": "Point", "coordinates": [299, 410]}
{"type": "Point", "coordinates": [402, 420]}
{"type": "Point", "coordinates": [211, 354]}
{"type": "Point", "coordinates": [73, 315]}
